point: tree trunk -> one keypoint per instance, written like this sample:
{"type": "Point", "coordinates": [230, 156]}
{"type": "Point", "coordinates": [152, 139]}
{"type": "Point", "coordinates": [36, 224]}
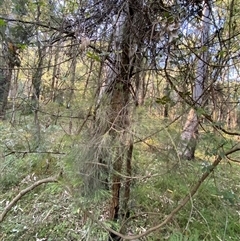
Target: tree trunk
{"type": "Point", "coordinates": [37, 76]}
{"type": "Point", "coordinates": [36, 82]}
{"type": "Point", "coordinates": [119, 122]}
{"type": "Point", "coordinates": [188, 140]}
{"type": "Point", "coordinates": [55, 95]}
{"type": "Point", "coordinates": [114, 102]}
{"type": "Point", "coordinates": [189, 136]}
{"type": "Point", "coordinates": [5, 83]}
{"type": "Point", "coordinates": [73, 73]}
{"type": "Point", "coordinates": [119, 119]}
{"type": "Point", "coordinates": [9, 60]}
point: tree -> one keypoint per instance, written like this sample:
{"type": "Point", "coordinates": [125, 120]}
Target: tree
{"type": "Point", "coordinates": [212, 62]}
{"type": "Point", "coordinates": [124, 45]}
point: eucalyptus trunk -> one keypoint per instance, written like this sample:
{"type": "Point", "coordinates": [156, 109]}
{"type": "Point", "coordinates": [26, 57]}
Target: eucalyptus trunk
{"type": "Point", "coordinates": [189, 136]}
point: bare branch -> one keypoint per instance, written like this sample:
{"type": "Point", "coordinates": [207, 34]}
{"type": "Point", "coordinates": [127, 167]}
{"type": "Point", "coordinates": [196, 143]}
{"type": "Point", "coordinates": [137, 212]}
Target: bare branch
{"type": "Point", "coordinates": [31, 22]}
{"type": "Point", "coordinates": [23, 192]}
{"type": "Point", "coordinates": [34, 152]}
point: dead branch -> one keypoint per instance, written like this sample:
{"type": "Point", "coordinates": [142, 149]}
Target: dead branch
{"type": "Point", "coordinates": [182, 203]}
{"type": "Point", "coordinates": [23, 192]}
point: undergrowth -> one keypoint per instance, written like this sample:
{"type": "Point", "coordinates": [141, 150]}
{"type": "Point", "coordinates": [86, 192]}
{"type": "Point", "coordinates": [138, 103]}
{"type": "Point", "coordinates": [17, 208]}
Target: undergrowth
{"type": "Point", "coordinates": [57, 211]}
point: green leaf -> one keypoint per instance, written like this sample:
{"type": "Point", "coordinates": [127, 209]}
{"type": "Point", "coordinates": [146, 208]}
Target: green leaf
{"type": "Point", "coordinates": [221, 53]}
{"type": "Point", "coordinates": [185, 94]}
{"type": "Point", "coordinates": [164, 100]}
{"type": "Point", "coordinates": [201, 111]}
{"type": "Point", "coordinates": [94, 56]}
{"type": "Point", "coordinates": [2, 22]}
{"type": "Point", "coordinates": [22, 46]}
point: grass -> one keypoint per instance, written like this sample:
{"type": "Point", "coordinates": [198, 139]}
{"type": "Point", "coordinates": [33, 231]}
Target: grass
{"type": "Point", "coordinates": [55, 211]}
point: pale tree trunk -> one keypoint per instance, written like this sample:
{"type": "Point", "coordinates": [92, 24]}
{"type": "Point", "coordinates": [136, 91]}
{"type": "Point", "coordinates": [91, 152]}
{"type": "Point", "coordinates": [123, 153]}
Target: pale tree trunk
{"type": "Point", "coordinates": [189, 136]}
{"type": "Point", "coordinates": [166, 93]}
{"type": "Point", "coordinates": [13, 95]}
{"type": "Point", "coordinates": [140, 78]}
{"type": "Point", "coordinates": [36, 83]}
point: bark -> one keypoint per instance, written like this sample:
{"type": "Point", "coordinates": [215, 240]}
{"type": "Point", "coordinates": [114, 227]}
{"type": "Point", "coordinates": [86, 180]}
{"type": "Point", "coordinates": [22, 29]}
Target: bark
{"type": "Point", "coordinates": [5, 83]}
{"type": "Point", "coordinates": [37, 76]}
{"type": "Point", "coordinates": [189, 136]}
{"type": "Point", "coordinates": [55, 95]}
{"type": "Point", "coordinates": [119, 121]}
{"type": "Point", "coordinates": [140, 78]}
{"type": "Point", "coordinates": [119, 110]}
{"type": "Point", "coordinates": [36, 82]}
{"type": "Point", "coordinates": [73, 73]}
{"type": "Point", "coordinates": [128, 179]}
{"type": "Point", "coordinates": [9, 60]}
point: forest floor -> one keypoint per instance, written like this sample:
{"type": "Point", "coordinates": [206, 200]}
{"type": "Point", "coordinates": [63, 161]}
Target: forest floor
{"type": "Point", "coordinates": [57, 211]}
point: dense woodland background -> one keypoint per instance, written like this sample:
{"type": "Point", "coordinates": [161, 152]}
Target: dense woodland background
{"type": "Point", "coordinates": [119, 120]}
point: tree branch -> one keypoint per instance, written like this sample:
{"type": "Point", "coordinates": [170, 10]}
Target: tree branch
{"type": "Point", "coordinates": [32, 23]}
{"type": "Point", "coordinates": [25, 191]}
{"type": "Point", "coordinates": [33, 152]}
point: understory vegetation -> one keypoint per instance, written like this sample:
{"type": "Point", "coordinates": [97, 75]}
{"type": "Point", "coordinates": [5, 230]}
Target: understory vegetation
{"type": "Point", "coordinates": [59, 211]}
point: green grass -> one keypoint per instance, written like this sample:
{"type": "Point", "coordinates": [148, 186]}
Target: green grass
{"type": "Point", "coordinates": [55, 211]}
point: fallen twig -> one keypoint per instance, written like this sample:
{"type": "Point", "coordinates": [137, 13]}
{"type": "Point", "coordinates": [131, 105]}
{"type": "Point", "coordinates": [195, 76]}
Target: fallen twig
{"type": "Point", "coordinates": [25, 191]}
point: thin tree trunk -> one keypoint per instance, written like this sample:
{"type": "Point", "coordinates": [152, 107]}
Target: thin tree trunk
{"type": "Point", "coordinates": [5, 83]}
{"type": "Point", "coordinates": [73, 73]}
{"type": "Point", "coordinates": [36, 82]}
{"type": "Point", "coordinates": [140, 79]}
{"type": "Point", "coordinates": [9, 60]}
{"type": "Point", "coordinates": [37, 76]}
{"type": "Point", "coordinates": [166, 93]}
{"type": "Point", "coordinates": [128, 179]}
{"type": "Point", "coordinates": [13, 96]}
{"type": "Point", "coordinates": [55, 76]}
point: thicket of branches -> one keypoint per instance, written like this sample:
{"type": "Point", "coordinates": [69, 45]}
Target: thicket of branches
{"type": "Point", "coordinates": [89, 66]}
